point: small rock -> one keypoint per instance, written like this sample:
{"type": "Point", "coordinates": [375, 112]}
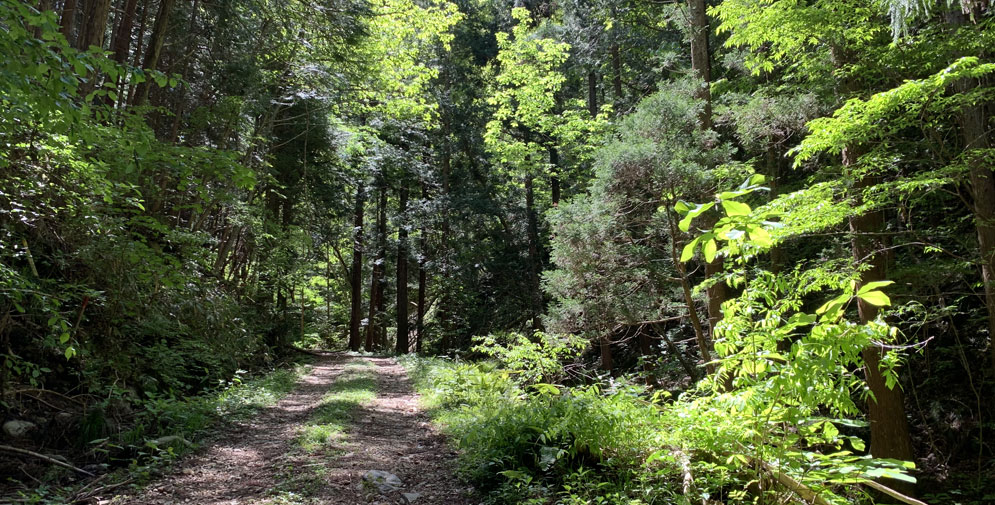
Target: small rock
{"type": "Point", "coordinates": [384, 482]}
{"type": "Point", "coordinates": [410, 498]}
{"type": "Point", "coordinates": [18, 429]}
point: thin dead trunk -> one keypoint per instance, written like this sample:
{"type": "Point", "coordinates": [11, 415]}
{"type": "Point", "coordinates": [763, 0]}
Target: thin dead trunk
{"type": "Point", "coordinates": [533, 240]}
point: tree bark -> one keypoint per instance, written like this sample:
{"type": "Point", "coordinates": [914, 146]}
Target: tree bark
{"type": "Point", "coordinates": [357, 271]}
{"type": "Point", "coordinates": [68, 20]}
{"type": "Point", "coordinates": [617, 74]}
{"type": "Point", "coordinates": [154, 48]}
{"type": "Point", "coordinates": [554, 176]}
{"type": "Point", "coordinates": [376, 283]}
{"type": "Point", "coordinates": [122, 35]}
{"type": "Point", "coordinates": [532, 230]}
{"type": "Point", "coordinates": [422, 280]}
{"type": "Point", "coordinates": [700, 63]}
{"type": "Point", "coordinates": [886, 410]}
{"type": "Point", "coordinates": [592, 93]}
{"type": "Point", "coordinates": [402, 272]}
{"type": "Point", "coordinates": [96, 24]}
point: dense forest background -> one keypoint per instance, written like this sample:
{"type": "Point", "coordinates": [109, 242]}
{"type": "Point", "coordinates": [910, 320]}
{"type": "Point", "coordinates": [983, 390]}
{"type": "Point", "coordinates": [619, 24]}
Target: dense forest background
{"type": "Point", "coordinates": [783, 202]}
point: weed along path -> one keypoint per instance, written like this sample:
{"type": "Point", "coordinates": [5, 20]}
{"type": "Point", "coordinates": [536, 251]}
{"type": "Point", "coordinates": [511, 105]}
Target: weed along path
{"type": "Point", "coordinates": [351, 433]}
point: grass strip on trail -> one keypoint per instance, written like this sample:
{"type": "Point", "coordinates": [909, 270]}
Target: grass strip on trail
{"type": "Point", "coordinates": [356, 387]}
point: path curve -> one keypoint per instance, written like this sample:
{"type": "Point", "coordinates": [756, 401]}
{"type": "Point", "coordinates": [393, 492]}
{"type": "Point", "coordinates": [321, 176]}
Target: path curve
{"type": "Point", "coordinates": [257, 462]}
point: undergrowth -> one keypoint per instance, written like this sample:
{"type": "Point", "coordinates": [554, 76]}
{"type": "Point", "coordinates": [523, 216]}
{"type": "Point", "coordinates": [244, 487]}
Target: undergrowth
{"type": "Point", "coordinates": [620, 443]}
{"type": "Point", "coordinates": [166, 427]}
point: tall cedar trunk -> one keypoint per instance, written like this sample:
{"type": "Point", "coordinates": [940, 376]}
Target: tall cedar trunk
{"type": "Point", "coordinates": [532, 230]}
{"type": "Point", "coordinates": [139, 40]}
{"type": "Point", "coordinates": [402, 272]}
{"type": "Point", "coordinates": [68, 21]}
{"type": "Point", "coordinates": [699, 59]}
{"type": "Point", "coordinates": [444, 312]}
{"type": "Point", "coordinates": [376, 283]}
{"type": "Point", "coordinates": [422, 279]}
{"type": "Point", "coordinates": [154, 48]}
{"type": "Point", "coordinates": [592, 93]}
{"type": "Point", "coordinates": [181, 100]}
{"type": "Point", "coordinates": [617, 74]}
{"type": "Point", "coordinates": [717, 293]}
{"type": "Point", "coordinates": [554, 175]}
{"type": "Point", "coordinates": [646, 350]}
{"type": "Point", "coordinates": [122, 34]}
{"type": "Point", "coordinates": [357, 271]}
{"type": "Point", "coordinates": [975, 133]}
{"type": "Point", "coordinates": [96, 24]}
{"type": "Point", "coordinates": [606, 353]}
{"type": "Point", "coordinates": [886, 411]}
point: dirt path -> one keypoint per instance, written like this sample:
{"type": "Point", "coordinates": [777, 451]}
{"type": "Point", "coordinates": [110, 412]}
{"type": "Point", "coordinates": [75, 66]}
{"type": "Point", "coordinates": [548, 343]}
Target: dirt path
{"type": "Point", "coordinates": [261, 461]}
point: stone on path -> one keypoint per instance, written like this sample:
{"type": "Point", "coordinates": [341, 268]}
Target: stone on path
{"type": "Point", "coordinates": [385, 482]}
{"type": "Point", "coordinates": [410, 498]}
{"type": "Point", "coordinates": [18, 429]}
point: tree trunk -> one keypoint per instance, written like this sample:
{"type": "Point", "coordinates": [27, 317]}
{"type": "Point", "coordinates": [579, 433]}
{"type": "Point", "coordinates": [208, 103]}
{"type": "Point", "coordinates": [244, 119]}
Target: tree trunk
{"type": "Point", "coordinates": [606, 353]}
{"type": "Point", "coordinates": [154, 48]}
{"type": "Point", "coordinates": [617, 74]}
{"type": "Point", "coordinates": [554, 176]}
{"type": "Point", "coordinates": [975, 133]}
{"type": "Point", "coordinates": [68, 20]}
{"type": "Point", "coordinates": [592, 93]}
{"type": "Point", "coordinates": [422, 279]}
{"type": "Point", "coordinates": [96, 24]}
{"type": "Point", "coordinates": [376, 284]}
{"type": "Point", "coordinates": [122, 35]}
{"type": "Point", "coordinates": [443, 254]}
{"type": "Point", "coordinates": [402, 272]}
{"type": "Point", "coordinates": [886, 410]}
{"type": "Point", "coordinates": [357, 271]}
{"type": "Point", "coordinates": [699, 59]}
{"type": "Point", "coordinates": [532, 230]}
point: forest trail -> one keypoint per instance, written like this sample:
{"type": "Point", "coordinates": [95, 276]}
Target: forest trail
{"type": "Point", "coordinates": [263, 461]}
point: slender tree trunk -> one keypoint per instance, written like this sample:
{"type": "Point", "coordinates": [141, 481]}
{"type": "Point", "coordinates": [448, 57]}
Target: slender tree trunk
{"type": "Point", "coordinates": [604, 344]}
{"type": "Point", "coordinates": [402, 272]}
{"type": "Point", "coordinates": [122, 35]}
{"type": "Point", "coordinates": [444, 312]}
{"type": "Point", "coordinates": [422, 279]}
{"type": "Point", "coordinates": [617, 73]}
{"type": "Point", "coordinates": [154, 48]}
{"type": "Point", "coordinates": [554, 176]}
{"type": "Point", "coordinates": [532, 226]}
{"type": "Point", "coordinates": [376, 284]}
{"type": "Point", "coordinates": [357, 271]}
{"type": "Point", "coordinates": [700, 59]}
{"type": "Point", "coordinates": [704, 346]}
{"type": "Point", "coordinates": [592, 92]}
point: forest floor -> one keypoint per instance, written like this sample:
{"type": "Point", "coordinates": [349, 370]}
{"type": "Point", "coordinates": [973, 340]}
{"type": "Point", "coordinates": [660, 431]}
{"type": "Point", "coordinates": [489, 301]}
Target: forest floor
{"type": "Point", "coordinates": [316, 445]}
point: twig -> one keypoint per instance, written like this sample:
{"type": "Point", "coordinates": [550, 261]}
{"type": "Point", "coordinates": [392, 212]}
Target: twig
{"type": "Point", "coordinates": [892, 493]}
{"type": "Point", "coordinates": [94, 492]}
{"type": "Point", "coordinates": [45, 458]}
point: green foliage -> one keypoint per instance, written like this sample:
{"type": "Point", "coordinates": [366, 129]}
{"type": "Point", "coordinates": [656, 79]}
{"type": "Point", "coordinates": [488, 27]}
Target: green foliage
{"type": "Point", "coordinates": [534, 360]}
